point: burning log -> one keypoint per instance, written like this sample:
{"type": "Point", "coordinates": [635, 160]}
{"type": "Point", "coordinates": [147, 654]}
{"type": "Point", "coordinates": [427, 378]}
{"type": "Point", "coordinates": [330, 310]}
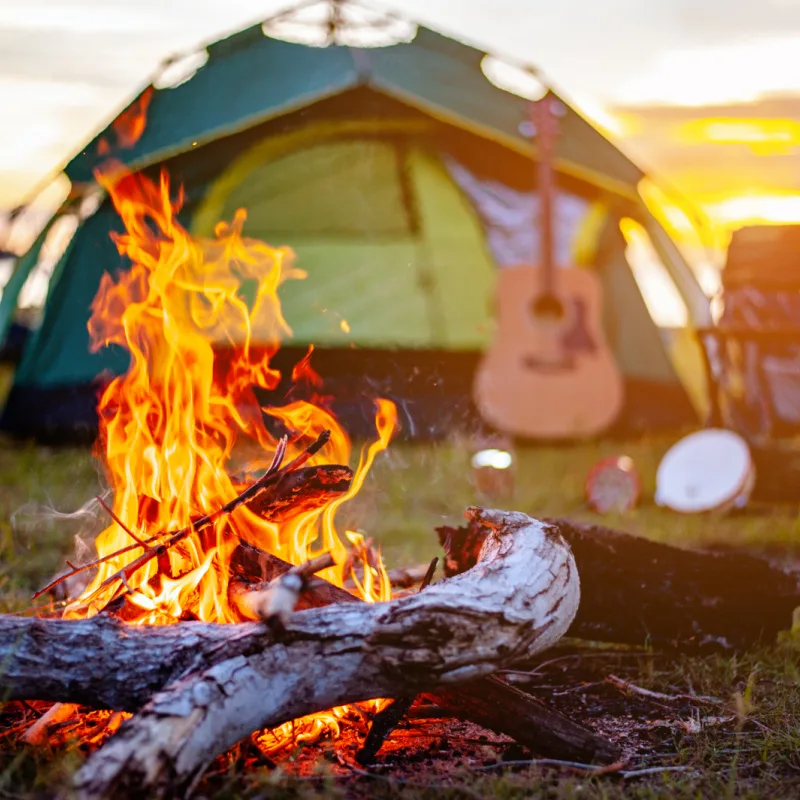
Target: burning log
{"type": "Point", "coordinates": [302, 490]}
{"type": "Point", "coordinates": [634, 589]}
{"type": "Point", "coordinates": [518, 599]}
{"type": "Point", "coordinates": [220, 683]}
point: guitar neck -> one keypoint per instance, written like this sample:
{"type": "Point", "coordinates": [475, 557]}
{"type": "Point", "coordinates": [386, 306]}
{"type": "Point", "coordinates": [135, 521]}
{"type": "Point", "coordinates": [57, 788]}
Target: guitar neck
{"type": "Point", "coordinates": [545, 124]}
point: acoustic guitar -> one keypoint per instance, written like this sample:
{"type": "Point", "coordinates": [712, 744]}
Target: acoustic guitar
{"type": "Point", "coordinates": [549, 373]}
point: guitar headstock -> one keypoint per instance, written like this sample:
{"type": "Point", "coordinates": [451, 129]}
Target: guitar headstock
{"type": "Point", "coordinates": [545, 114]}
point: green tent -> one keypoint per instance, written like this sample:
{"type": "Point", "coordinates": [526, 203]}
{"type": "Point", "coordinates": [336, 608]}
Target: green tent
{"type": "Point", "coordinates": [397, 173]}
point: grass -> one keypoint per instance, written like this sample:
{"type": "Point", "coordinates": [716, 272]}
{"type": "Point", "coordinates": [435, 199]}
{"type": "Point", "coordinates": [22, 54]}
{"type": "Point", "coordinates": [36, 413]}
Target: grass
{"type": "Point", "coordinates": [411, 490]}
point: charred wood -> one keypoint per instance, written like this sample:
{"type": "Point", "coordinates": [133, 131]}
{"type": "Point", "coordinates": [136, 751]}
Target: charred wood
{"type": "Point", "coordinates": [301, 491]}
{"type": "Point", "coordinates": [542, 729]}
{"type": "Point", "coordinates": [252, 568]}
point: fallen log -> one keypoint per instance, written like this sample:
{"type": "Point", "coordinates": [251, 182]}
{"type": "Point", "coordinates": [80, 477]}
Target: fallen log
{"type": "Point", "coordinates": [528, 721]}
{"type": "Point", "coordinates": [518, 599]}
{"type": "Point", "coordinates": [544, 729]}
{"type": "Point", "coordinates": [223, 682]}
{"type": "Point", "coordinates": [634, 590]}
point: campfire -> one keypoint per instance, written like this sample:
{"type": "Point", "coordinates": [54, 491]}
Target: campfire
{"type": "Point", "coordinates": [174, 426]}
{"type": "Point", "coordinates": [223, 513]}
{"type": "Point", "coordinates": [207, 499]}
{"type": "Point", "coordinates": [223, 603]}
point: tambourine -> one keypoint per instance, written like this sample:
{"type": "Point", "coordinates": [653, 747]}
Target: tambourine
{"type": "Point", "coordinates": [710, 470]}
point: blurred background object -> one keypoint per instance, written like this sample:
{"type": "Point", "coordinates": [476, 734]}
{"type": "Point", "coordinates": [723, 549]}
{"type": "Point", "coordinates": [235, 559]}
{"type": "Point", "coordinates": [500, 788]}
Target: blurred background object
{"type": "Point", "coordinates": [493, 467]}
{"type": "Point", "coordinates": [613, 485]}
{"type": "Point", "coordinates": [709, 470]}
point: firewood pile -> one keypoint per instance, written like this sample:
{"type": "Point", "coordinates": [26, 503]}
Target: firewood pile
{"type": "Point", "coordinates": [446, 646]}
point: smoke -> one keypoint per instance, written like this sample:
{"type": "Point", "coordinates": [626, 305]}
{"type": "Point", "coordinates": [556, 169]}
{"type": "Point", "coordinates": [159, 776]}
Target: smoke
{"type": "Point", "coordinates": [38, 525]}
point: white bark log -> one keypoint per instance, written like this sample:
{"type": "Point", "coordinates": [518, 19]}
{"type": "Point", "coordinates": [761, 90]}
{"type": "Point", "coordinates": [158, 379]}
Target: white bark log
{"type": "Point", "coordinates": [519, 599]}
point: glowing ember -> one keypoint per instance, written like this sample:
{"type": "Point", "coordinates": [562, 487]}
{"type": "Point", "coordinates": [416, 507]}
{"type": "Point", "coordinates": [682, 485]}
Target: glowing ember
{"type": "Point", "coordinates": [173, 426]}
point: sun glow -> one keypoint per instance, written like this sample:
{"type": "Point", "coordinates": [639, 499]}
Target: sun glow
{"type": "Point", "coordinates": [757, 207]}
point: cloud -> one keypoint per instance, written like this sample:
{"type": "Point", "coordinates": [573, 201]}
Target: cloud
{"type": "Point", "coordinates": [717, 21]}
{"type": "Point", "coordinates": [32, 94]}
{"type": "Point", "coordinates": [75, 18]}
{"type": "Point", "coordinates": [736, 72]}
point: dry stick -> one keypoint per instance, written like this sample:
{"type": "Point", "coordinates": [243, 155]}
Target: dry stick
{"type": "Point", "coordinates": [536, 672]}
{"type": "Point", "coordinates": [627, 686]}
{"type": "Point", "coordinates": [110, 512]}
{"type": "Point", "coordinates": [402, 577]}
{"type": "Point", "coordinates": [280, 450]}
{"type": "Point", "coordinates": [585, 770]}
{"type": "Point", "coordinates": [272, 476]}
{"type": "Point", "coordinates": [387, 719]}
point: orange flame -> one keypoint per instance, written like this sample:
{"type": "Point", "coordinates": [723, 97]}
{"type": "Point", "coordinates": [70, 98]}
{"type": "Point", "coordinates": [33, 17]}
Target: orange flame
{"type": "Point", "coordinates": [129, 126]}
{"type": "Point", "coordinates": [174, 424]}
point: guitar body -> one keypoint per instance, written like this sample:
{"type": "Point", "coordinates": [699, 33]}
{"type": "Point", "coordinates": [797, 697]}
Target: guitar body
{"type": "Point", "coordinates": [549, 376]}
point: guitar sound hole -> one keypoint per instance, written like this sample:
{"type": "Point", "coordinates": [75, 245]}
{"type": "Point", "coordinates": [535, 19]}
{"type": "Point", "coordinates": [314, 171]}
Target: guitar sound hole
{"type": "Point", "coordinates": [548, 306]}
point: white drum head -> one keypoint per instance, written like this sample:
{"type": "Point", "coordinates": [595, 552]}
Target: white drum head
{"type": "Point", "coordinates": [705, 471]}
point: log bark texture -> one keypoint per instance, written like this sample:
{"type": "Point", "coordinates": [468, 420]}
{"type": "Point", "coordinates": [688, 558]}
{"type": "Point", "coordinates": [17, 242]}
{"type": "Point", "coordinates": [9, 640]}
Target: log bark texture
{"type": "Point", "coordinates": [637, 591]}
{"type": "Point", "coordinates": [518, 599]}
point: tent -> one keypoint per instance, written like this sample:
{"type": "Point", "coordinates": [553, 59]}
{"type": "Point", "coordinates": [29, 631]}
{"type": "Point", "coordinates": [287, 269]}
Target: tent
{"type": "Point", "coordinates": [404, 179]}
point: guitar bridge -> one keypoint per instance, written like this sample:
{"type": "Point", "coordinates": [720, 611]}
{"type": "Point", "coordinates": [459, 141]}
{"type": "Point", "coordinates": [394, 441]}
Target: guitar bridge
{"type": "Point", "coordinates": [534, 364]}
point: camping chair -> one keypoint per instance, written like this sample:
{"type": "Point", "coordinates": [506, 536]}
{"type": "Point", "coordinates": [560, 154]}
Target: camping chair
{"type": "Point", "coordinates": [752, 354]}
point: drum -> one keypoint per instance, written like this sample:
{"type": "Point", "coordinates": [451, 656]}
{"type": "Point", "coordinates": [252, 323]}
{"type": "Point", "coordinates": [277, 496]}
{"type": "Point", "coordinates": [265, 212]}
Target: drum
{"type": "Point", "coordinates": [710, 470]}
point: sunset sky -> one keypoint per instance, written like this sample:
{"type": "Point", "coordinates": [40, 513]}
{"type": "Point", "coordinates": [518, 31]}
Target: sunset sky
{"type": "Point", "coordinates": [66, 66]}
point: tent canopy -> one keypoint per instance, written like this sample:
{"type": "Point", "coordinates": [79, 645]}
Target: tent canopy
{"type": "Point", "coordinates": [250, 78]}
